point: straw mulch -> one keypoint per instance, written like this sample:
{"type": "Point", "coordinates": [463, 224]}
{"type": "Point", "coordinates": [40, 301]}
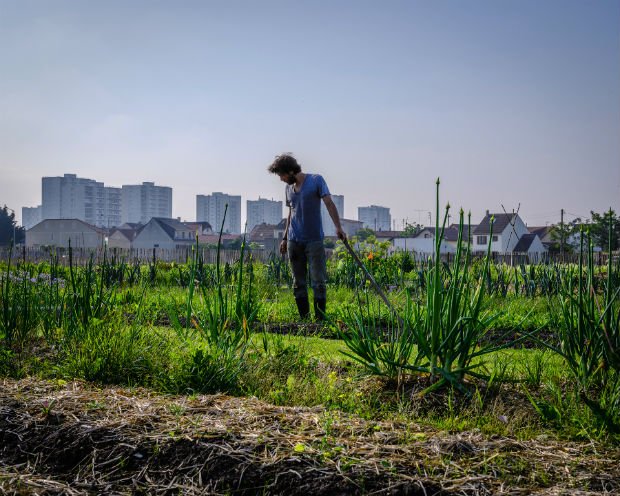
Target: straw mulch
{"type": "Point", "coordinates": [74, 438]}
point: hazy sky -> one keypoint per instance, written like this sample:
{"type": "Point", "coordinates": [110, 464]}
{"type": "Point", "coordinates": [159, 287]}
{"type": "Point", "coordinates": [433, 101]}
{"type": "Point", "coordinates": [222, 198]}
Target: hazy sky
{"type": "Point", "coordinates": [510, 103]}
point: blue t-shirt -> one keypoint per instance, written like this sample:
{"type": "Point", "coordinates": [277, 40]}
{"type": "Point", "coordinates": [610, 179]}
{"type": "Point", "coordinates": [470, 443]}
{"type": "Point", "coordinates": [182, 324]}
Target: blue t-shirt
{"type": "Point", "coordinates": [305, 206]}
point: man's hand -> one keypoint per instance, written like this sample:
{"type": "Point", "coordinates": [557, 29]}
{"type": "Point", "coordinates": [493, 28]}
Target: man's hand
{"type": "Point", "coordinates": [283, 247]}
{"type": "Point", "coordinates": [341, 234]}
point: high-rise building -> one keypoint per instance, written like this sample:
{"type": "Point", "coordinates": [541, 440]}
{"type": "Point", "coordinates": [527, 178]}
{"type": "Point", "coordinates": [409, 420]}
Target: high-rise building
{"type": "Point", "coordinates": [113, 202]}
{"type": "Point", "coordinates": [51, 197]}
{"type": "Point", "coordinates": [263, 211]}
{"type": "Point", "coordinates": [72, 197]}
{"type": "Point", "coordinates": [211, 208]}
{"type": "Point", "coordinates": [31, 216]}
{"type": "Point", "coordinates": [375, 217]}
{"type": "Point", "coordinates": [144, 201]}
{"type": "Point", "coordinates": [329, 229]}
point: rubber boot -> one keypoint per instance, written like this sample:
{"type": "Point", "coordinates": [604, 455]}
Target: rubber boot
{"type": "Point", "coordinates": [319, 309]}
{"type": "Point", "coordinates": [303, 306]}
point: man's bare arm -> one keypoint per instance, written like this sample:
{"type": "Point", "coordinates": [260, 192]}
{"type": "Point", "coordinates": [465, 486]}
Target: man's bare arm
{"type": "Point", "coordinates": [333, 213]}
{"type": "Point", "coordinates": [283, 247]}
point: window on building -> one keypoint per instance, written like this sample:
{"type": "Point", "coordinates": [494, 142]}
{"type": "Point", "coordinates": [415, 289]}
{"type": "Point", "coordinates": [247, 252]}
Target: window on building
{"type": "Point", "coordinates": [481, 240]}
{"type": "Point", "coordinates": [495, 238]}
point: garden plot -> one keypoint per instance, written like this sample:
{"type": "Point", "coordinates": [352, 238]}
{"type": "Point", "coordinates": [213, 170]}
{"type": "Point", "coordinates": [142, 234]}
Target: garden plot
{"type": "Point", "coordinates": [74, 438]}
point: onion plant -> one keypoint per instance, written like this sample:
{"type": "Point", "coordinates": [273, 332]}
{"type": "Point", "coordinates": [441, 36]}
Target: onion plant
{"type": "Point", "coordinates": [228, 312]}
{"type": "Point", "coordinates": [589, 322]}
{"type": "Point", "coordinates": [88, 298]}
{"type": "Point", "coordinates": [222, 316]}
{"type": "Point", "coordinates": [589, 335]}
{"type": "Point", "coordinates": [51, 299]}
{"type": "Point", "coordinates": [381, 343]}
{"type": "Point", "coordinates": [19, 312]}
{"type": "Point", "coordinates": [442, 336]}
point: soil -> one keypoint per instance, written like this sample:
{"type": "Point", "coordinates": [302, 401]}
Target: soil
{"type": "Point", "coordinates": [76, 438]}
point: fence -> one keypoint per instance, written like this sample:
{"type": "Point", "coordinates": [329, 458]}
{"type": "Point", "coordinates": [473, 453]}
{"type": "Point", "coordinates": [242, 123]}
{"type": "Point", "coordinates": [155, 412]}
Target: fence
{"type": "Point", "coordinates": [181, 255]}
{"type": "Point", "coordinates": [81, 256]}
{"type": "Point", "coordinates": [517, 258]}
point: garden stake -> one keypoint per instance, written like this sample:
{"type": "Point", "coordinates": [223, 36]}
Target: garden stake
{"type": "Point", "coordinates": [374, 283]}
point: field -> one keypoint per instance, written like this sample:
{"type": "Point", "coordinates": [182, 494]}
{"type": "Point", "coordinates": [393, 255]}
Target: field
{"type": "Point", "coordinates": [196, 378]}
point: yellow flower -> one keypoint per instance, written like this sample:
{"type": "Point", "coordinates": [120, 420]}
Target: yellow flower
{"type": "Point", "coordinates": [371, 256]}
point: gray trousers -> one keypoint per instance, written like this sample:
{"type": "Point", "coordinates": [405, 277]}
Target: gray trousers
{"type": "Point", "coordinates": [300, 256]}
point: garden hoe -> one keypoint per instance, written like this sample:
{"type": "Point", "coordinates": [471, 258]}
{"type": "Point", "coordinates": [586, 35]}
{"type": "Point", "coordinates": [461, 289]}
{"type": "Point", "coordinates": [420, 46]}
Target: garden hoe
{"type": "Point", "coordinates": [374, 283]}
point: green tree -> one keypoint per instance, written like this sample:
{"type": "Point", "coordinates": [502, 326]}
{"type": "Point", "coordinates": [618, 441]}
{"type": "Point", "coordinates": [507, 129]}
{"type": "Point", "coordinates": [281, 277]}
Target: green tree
{"type": "Point", "coordinates": [562, 233]}
{"type": "Point", "coordinates": [600, 229]}
{"type": "Point", "coordinates": [364, 233]}
{"type": "Point", "coordinates": [412, 229]}
{"type": "Point", "coordinates": [9, 228]}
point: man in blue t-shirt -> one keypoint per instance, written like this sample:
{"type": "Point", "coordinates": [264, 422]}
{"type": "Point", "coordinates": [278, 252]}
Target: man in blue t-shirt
{"type": "Point", "coordinates": [303, 236]}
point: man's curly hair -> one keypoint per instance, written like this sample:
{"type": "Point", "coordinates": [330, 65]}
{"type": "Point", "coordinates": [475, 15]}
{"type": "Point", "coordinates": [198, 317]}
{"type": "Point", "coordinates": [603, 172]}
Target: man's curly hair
{"type": "Point", "coordinates": [284, 164]}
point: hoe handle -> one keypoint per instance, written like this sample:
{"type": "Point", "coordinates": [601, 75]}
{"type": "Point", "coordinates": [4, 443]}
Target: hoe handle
{"type": "Point", "coordinates": [372, 279]}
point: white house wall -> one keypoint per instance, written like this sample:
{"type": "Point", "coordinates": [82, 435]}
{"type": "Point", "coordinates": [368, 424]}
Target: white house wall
{"type": "Point", "coordinates": [421, 245]}
{"type": "Point", "coordinates": [536, 247]}
{"type": "Point", "coordinates": [506, 240]}
{"type": "Point", "coordinates": [152, 234]}
{"type": "Point", "coordinates": [118, 240]}
{"type": "Point", "coordinates": [59, 232]}
{"type": "Point", "coordinates": [511, 241]}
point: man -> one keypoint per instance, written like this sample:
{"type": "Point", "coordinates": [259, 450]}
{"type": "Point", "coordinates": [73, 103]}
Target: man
{"type": "Point", "coordinates": [303, 235]}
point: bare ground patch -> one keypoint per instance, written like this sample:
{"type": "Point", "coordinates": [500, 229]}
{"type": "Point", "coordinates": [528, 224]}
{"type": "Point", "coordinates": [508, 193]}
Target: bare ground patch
{"type": "Point", "coordinates": [75, 438]}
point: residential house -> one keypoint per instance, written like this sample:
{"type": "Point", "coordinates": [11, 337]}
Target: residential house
{"type": "Point", "coordinates": [268, 236]}
{"type": "Point", "coordinates": [507, 231]}
{"type": "Point", "coordinates": [124, 235]}
{"type": "Point", "coordinates": [200, 228]}
{"type": "Point", "coordinates": [530, 244]}
{"type": "Point", "coordinates": [161, 232]}
{"type": "Point", "coordinates": [425, 245]}
{"type": "Point", "coordinates": [388, 235]}
{"type": "Point", "coordinates": [450, 234]}
{"type": "Point", "coordinates": [351, 226]}
{"type": "Point", "coordinates": [544, 233]}
{"type": "Point", "coordinates": [61, 232]}
{"type": "Point", "coordinates": [226, 240]}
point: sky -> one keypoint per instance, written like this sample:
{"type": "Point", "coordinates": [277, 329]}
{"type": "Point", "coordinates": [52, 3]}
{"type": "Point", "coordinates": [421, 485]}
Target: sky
{"type": "Point", "coordinates": [513, 105]}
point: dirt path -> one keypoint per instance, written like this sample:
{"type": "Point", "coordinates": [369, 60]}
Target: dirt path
{"type": "Point", "coordinates": [74, 438]}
